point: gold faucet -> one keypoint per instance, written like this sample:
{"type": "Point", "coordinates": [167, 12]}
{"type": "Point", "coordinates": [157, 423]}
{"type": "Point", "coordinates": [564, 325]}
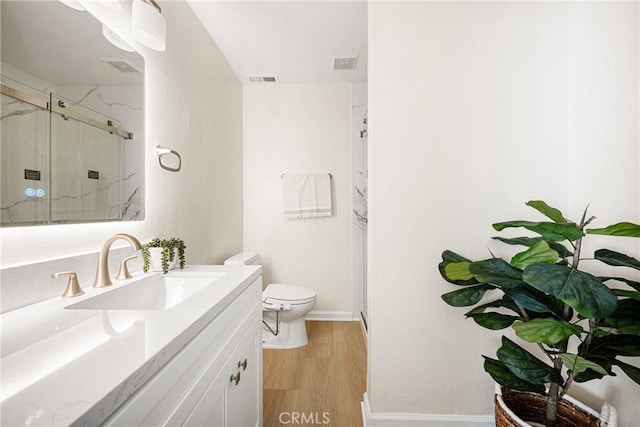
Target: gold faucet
{"type": "Point", "coordinates": [102, 274]}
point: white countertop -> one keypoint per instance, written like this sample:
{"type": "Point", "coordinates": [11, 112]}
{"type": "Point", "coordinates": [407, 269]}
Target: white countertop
{"type": "Point", "coordinates": [64, 366]}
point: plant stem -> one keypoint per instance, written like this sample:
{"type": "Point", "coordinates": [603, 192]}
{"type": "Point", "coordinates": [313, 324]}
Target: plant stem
{"type": "Point", "coordinates": [554, 389]}
{"type": "Point", "coordinates": [552, 403]}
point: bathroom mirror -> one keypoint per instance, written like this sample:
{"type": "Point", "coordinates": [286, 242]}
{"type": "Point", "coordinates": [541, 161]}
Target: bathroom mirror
{"type": "Point", "coordinates": [72, 144]}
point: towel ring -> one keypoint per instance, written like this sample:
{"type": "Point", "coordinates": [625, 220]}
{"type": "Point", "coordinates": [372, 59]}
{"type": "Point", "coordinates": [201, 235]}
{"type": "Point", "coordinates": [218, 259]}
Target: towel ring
{"type": "Point", "coordinates": [160, 152]}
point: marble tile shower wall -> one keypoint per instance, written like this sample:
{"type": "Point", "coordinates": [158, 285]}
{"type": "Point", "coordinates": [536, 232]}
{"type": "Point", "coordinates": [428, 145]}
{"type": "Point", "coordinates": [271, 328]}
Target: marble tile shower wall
{"type": "Point", "coordinates": [123, 103]}
{"type": "Point", "coordinates": [29, 126]}
{"type": "Point", "coordinates": [24, 285]}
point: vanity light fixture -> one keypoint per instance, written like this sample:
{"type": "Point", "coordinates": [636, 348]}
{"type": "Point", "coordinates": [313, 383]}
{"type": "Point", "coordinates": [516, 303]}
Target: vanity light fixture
{"type": "Point", "coordinates": [148, 25]}
{"type": "Point", "coordinates": [115, 39]}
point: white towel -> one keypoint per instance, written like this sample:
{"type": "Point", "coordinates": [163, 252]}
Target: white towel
{"type": "Point", "coordinates": [306, 196]}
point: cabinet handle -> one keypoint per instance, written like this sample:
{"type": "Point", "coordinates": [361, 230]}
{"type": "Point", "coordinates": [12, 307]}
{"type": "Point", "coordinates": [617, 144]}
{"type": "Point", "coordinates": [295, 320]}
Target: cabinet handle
{"type": "Point", "coordinates": [235, 378]}
{"type": "Point", "coordinates": [243, 365]}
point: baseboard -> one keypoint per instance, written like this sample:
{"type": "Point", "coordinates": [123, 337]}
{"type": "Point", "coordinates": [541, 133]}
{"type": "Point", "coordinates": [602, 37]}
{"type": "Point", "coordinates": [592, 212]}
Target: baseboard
{"type": "Point", "coordinates": [336, 316]}
{"type": "Point", "coordinates": [394, 419]}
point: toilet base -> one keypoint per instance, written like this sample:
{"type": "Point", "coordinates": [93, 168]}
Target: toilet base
{"type": "Point", "coordinates": [292, 334]}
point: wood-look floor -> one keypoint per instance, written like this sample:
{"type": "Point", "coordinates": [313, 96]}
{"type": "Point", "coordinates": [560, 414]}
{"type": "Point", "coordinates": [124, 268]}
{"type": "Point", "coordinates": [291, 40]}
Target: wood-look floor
{"type": "Point", "coordinates": [319, 384]}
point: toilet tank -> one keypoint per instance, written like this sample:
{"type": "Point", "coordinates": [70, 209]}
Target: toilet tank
{"type": "Point", "coordinates": [246, 258]}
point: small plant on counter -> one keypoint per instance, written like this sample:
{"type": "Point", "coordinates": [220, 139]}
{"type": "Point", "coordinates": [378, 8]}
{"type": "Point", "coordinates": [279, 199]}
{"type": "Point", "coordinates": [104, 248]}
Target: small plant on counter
{"type": "Point", "coordinates": [170, 249]}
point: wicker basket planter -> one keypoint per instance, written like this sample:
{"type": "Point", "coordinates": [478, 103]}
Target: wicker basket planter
{"type": "Point", "coordinates": [521, 409]}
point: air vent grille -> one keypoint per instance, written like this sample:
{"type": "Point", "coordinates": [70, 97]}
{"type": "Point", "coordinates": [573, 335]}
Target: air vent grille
{"type": "Point", "coordinates": [263, 79]}
{"type": "Point", "coordinates": [345, 62]}
{"type": "Point", "coordinates": [122, 65]}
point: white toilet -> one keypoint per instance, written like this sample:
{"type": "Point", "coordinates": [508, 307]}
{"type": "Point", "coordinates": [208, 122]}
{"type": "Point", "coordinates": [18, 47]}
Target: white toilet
{"type": "Point", "coordinates": [283, 309]}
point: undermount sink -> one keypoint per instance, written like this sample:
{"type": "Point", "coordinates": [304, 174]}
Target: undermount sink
{"type": "Point", "coordinates": [157, 292]}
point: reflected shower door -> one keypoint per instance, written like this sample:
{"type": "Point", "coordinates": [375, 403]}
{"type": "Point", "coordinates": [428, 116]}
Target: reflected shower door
{"type": "Point", "coordinates": [24, 155]}
{"type": "Point", "coordinates": [85, 169]}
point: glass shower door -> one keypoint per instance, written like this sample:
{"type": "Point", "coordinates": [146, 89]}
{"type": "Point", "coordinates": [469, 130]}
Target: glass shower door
{"type": "Point", "coordinates": [24, 157]}
{"type": "Point", "coordinates": [85, 166]}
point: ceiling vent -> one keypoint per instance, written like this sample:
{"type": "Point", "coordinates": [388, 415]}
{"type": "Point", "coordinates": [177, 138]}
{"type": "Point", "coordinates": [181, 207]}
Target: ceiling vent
{"type": "Point", "coordinates": [121, 64]}
{"type": "Point", "coordinates": [345, 62]}
{"type": "Point", "coordinates": [263, 79]}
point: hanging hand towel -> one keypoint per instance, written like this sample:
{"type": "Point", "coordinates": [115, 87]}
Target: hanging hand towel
{"type": "Point", "coordinates": [306, 196]}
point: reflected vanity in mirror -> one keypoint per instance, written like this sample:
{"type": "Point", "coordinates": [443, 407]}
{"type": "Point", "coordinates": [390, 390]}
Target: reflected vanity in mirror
{"type": "Point", "coordinates": [72, 145]}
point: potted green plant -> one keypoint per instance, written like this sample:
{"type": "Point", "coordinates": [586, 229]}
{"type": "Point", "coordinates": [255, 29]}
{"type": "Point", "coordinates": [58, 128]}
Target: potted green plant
{"type": "Point", "coordinates": [162, 254]}
{"type": "Point", "coordinates": [582, 323]}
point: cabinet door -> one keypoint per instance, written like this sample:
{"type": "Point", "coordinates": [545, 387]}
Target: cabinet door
{"type": "Point", "coordinates": [209, 411]}
{"type": "Point", "coordinates": [234, 397]}
{"type": "Point", "coordinates": [244, 399]}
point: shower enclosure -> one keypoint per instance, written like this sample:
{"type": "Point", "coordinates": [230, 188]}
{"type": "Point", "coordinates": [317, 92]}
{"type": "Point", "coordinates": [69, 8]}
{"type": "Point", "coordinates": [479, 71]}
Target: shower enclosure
{"type": "Point", "coordinates": [360, 210]}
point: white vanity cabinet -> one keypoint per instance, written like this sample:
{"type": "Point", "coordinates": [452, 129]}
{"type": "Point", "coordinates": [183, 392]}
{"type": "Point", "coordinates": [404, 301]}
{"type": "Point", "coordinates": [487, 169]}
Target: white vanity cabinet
{"type": "Point", "coordinates": [232, 399]}
{"type": "Point", "coordinates": [215, 380]}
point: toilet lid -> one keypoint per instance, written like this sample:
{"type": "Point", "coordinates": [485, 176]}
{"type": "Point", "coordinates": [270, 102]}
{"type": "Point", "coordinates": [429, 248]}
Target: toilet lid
{"type": "Point", "coordinates": [288, 293]}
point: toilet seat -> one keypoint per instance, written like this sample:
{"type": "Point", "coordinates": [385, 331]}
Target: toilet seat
{"type": "Point", "coordinates": [277, 293]}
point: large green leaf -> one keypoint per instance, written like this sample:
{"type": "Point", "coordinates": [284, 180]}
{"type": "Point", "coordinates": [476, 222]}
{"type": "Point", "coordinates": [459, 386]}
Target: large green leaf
{"type": "Point", "coordinates": [547, 330]}
{"type": "Point", "coordinates": [624, 326]}
{"type": "Point", "coordinates": [626, 294]}
{"type": "Point", "coordinates": [590, 374]}
{"type": "Point", "coordinates": [616, 345]}
{"type": "Point", "coordinates": [466, 296]}
{"type": "Point", "coordinates": [530, 241]}
{"type": "Point", "coordinates": [629, 309]}
{"type": "Point", "coordinates": [503, 376]}
{"type": "Point", "coordinates": [631, 371]}
{"type": "Point", "coordinates": [552, 213]}
{"type": "Point", "coordinates": [525, 365]}
{"type": "Point", "coordinates": [616, 258]}
{"type": "Point", "coordinates": [493, 321]}
{"type": "Point", "coordinates": [626, 318]}
{"type": "Point", "coordinates": [549, 230]}
{"type": "Point", "coordinates": [498, 272]}
{"type": "Point", "coordinates": [635, 285]}
{"type": "Point", "coordinates": [538, 253]}
{"type": "Point", "coordinates": [577, 364]}
{"type": "Point", "coordinates": [458, 271]}
{"type": "Point", "coordinates": [536, 301]}
{"type": "Point", "coordinates": [625, 229]}
{"type": "Point", "coordinates": [500, 303]}
{"type": "Point", "coordinates": [580, 290]}
{"type": "Point", "coordinates": [449, 258]}
{"type": "Point", "coordinates": [528, 301]}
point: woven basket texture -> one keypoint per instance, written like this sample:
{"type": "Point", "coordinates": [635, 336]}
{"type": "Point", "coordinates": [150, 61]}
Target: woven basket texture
{"type": "Point", "coordinates": [531, 407]}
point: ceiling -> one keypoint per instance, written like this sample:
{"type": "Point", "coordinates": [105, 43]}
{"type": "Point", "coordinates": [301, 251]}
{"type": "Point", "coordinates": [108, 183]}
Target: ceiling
{"type": "Point", "coordinates": [33, 41]}
{"type": "Point", "coordinates": [295, 40]}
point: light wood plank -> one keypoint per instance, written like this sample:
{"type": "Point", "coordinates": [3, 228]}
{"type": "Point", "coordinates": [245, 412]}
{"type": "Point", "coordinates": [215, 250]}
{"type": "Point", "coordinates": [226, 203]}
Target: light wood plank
{"type": "Point", "coordinates": [323, 381]}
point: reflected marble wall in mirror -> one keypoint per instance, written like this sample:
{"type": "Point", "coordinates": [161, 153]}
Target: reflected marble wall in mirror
{"type": "Point", "coordinates": [72, 143]}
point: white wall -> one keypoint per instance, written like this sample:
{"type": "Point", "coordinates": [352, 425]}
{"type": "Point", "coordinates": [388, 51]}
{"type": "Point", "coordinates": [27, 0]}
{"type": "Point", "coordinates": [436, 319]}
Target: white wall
{"type": "Point", "coordinates": [475, 108]}
{"type": "Point", "coordinates": [299, 129]}
{"type": "Point", "coordinates": [193, 105]}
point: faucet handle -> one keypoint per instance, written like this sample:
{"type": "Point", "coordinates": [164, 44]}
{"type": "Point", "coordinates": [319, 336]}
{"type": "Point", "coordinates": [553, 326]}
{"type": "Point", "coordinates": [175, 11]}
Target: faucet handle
{"type": "Point", "coordinates": [123, 273]}
{"type": "Point", "coordinates": [73, 288]}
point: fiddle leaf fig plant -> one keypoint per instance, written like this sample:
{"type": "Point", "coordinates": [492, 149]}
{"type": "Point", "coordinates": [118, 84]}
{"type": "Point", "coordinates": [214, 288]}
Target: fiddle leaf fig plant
{"type": "Point", "coordinates": [169, 249]}
{"type": "Point", "coordinates": [582, 323]}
